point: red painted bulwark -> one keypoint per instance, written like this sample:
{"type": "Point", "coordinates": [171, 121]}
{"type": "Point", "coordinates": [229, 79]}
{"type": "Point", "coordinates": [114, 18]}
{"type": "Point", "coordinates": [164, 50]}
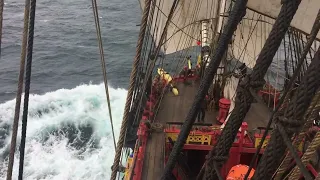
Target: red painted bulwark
{"type": "Point", "coordinates": [241, 152]}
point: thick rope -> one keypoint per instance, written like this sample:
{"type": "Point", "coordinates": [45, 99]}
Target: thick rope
{"type": "Point", "coordinates": [306, 156]}
{"type": "Point", "coordinates": [293, 151]}
{"type": "Point", "coordinates": [103, 65]}
{"type": "Point", "coordinates": [19, 91]}
{"type": "Point", "coordinates": [27, 87]}
{"type": "Point", "coordinates": [255, 82]}
{"type": "Point", "coordinates": [235, 17]}
{"type": "Point", "coordinates": [157, 50]}
{"type": "Point", "coordinates": [153, 57]}
{"type": "Point", "coordinates": [291, 121]}
{"type": "Point", "coordinates": [284, 98]}
{"type": "Point", "coordinates": [311, 38]}
{"type": "Point", "coordinates": [1, 22]}
{"type": "Point", "coordinates": [309, 116]}
{"type": "Point", "coordinates": [133, 76]}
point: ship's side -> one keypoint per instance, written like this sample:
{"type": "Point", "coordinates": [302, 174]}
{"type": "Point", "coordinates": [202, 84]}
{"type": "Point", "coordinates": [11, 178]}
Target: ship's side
{"type": "Point", "coordinates": [157, 138]}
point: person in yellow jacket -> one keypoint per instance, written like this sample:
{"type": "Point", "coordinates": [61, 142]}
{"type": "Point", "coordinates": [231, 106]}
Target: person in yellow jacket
{"type": "Point", "coordinates": [169, 81]}
{"type": "Point", "coordinates": [199, 61]}
{"type": "Point", "coordinates": [199, 64]}
{"type": "Point", "coordinates": [188, 71]}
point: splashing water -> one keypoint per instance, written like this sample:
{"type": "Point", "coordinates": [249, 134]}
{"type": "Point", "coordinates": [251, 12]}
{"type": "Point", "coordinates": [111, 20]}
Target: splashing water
{"type": "Point", "coordinates": [68, 135]}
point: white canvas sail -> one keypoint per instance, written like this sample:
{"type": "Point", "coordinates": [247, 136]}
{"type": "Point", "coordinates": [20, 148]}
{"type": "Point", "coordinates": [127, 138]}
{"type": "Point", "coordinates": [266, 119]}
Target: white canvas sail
{"type": "Point", "coordinates": [247, 43]}
{"type": "Point", "coordinates": [185, 27]}
{"type": "Point", "coordinates": [254, 29]}
{"type": "Point", "coordinates": [249, 38]}
{"type": "Point", "coordinates": [303, 19]}
{"type": "Point", "coordinates": [184, 30]}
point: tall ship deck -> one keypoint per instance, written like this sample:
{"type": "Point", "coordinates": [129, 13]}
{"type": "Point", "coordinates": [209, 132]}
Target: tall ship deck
{"type": "Point", "coordinates": [173, 110]}
{"type": "Point", "coordinates": [250, 65]}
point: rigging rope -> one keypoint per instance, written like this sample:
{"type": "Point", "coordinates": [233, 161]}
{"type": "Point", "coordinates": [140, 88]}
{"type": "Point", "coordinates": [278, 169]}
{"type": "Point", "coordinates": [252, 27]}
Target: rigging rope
{"type": "Point", "coordinates": [235, 17]}
{"type": "Point", "coordinates": [284, 98]}
{"type": "Point", "coordinates": [27, 86]}
{"type": "Point", "coordinates": [291, 121]}
{"type": "Point", "coordinates": [255, 82]}
{"type": "Point", "coordinates": [183, 53]}
{"type": "Point", "coordinates": [309, 116]}
{"type": "Point", "coordinates": [154, 56]}
{"type": "Point", "coordinates": [130, 90]}
{"type": "Point", "coordinates": [103, 64]}
{"type": "Point", "coordinates": [306, 156]}
{"type": "Point", "coordinates": [19, 91]}
{"type": "Point", "coordinates": [1, 22]}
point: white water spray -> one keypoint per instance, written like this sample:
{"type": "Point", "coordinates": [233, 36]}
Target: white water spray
{"type": "Point", "coordinates": [55, 119]}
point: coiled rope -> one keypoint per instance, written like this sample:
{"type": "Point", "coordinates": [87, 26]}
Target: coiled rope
{"type": "Point", "coordinates": [235, 17]}
{"type": "Point", "coordinates": [19, 91]}
{"type": "Point", "coordinates": [309, 116]}
{"type": "Point", "coordinates": [285, 98]}
{"type": "Point", "coordinates": [27, 87]}
{"type": "Point", "coordinates": [252, 82]}
{"type": "Point", "coordinates": [291, 121]}
{"type": "Point", "coordinates": [103, 64]}
{"type": "Point", "coordinates": [133, 76]}
{"type": "Point", "coordinates": [306, 156]}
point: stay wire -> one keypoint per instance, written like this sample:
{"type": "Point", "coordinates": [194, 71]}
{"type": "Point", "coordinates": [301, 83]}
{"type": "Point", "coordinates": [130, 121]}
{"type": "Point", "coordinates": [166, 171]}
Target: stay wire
{"type": "Point", "coordinates": [313, 34]}
{"type": "Point", "coordinates": [27, 87]}
{"type": "Point", "coordinates": [103, 64]}
{"type": "Point", "coordinates": [1, 23]}
{"type": "Point", "coordinates": [19, 91]}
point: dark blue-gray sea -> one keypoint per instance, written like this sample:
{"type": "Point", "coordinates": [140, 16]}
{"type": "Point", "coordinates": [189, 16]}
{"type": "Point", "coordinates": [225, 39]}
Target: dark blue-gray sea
{"type": "Point", "coordinates": [68, 134]}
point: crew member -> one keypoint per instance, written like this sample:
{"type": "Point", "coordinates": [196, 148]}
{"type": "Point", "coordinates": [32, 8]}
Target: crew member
{"type": "Point", "coordinates": [198, 67]}
{"type": "Point", "coordinates": [189, 66]}
{"type": "Point", "coordinates": [202, 111]}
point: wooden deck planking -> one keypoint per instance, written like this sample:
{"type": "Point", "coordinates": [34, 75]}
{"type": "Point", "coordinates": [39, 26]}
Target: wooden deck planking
{"type": "Point", "coordinates": [175, 109]}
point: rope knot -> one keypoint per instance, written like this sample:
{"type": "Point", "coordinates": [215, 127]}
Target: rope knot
{"type": "Point", "coordinates": [248, 82]}
{"type": "Point", "coordinates": [291, 125]}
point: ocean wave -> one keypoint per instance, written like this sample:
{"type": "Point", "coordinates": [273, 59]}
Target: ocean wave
{"type": "Point", "coordinates": [68, 134]}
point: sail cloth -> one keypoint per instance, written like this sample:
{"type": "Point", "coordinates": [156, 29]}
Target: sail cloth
{"type": "Point", "coordinates": [250, 37]}
{"type": "Point", "coordinates": [303, 19]}
{"type": "Point", "coordinates": [185, 27]}
{"type": "Point", "coordinates": [255, 27]}
{"type": "Point", "coordinates": [230, 89]}
{"type": "Point", "coordinates": [184, 30]}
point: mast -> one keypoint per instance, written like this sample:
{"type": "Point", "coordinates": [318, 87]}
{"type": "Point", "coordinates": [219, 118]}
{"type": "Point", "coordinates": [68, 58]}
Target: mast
{"type": "Point", "coordinates": [205, 42]}
{"type": "Point", "coordinates": [184, 27]}
{"type": "Point", "coordinates": [235, 17]}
